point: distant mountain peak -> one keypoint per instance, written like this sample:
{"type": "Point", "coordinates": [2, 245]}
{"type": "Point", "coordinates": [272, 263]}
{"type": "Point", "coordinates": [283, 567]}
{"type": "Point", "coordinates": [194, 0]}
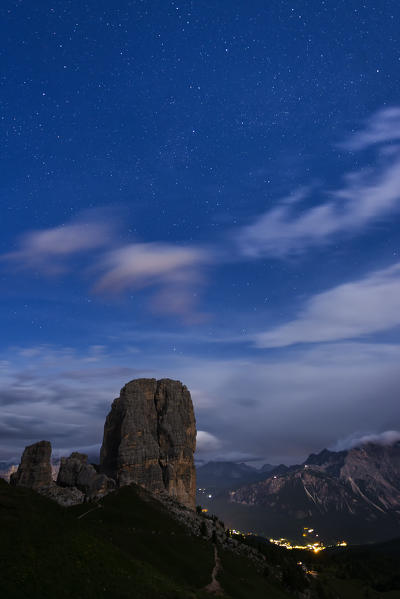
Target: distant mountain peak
{"type": "Point", "coordinates": [356, 489]}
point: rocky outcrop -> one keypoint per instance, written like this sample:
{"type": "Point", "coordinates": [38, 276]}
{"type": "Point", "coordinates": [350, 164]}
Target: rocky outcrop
{"type": "Point", "coordinates": [150, 437]}
{"type": "Point", "coordinates": [65, 496]}
{"type": "Point", "coordinates": [76, 472]}
{"type": "Point", "coordinates": [77, 480]}
{"type": "Point", "coordinates": [7, 469]}
{"type": "Point", "coordinates": [34, 470]}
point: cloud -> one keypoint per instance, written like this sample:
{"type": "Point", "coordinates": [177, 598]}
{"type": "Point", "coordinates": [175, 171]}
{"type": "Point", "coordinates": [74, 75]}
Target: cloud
{"type": "Point", "coordinates": [55, 393]}
{"type": "Point", "coordinates": [93, 374]}
{"type": "Point", "coordinates": [142, 264]}
{"type": "Point", "coordinates": [286, 229]}
{"type": "Point", "coordinates": [174, 270]}
{"type": "Point", "coordinates": [366, 196]}
{"type": "Point", "coordinates": [46, 250]}
{"type": "Point", "coordinates": [92, 451]}
{"type": "Point", "coordinates": [206, 442]}
{"type": "Point", "coordinates": [382, 127]}
{"type": "Point", "coordinates": [308, 397]}
{"type": "Point", "coordinates": [356, 440]}
{"type": "Point", "coordinates": [348, 311]}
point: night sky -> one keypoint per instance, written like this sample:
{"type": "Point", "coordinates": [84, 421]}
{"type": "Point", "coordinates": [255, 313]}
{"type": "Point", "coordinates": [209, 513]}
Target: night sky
{"type": "Point", "coordinates": [202, 190]}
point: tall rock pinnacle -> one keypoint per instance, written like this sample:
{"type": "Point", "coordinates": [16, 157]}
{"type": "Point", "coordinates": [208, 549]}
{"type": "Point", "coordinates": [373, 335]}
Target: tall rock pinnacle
{"type": "Point", "coordinates": [34, 470]}
{"type": "Point", "coordinates": [150, 438]}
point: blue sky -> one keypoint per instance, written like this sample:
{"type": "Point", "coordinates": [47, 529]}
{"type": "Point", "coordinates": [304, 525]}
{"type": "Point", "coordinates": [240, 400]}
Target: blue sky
{"type": "Point", "coordinates": [208, 191]}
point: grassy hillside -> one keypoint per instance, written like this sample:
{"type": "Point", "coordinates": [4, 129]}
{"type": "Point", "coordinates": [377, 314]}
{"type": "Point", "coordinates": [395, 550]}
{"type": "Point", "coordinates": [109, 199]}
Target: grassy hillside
{"type": "Point", "coordinates": [128, 545]}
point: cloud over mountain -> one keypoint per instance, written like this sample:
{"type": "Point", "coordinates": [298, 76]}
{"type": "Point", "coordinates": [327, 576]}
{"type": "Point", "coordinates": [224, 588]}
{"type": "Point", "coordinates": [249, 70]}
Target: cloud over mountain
{"type": "Point", "coordinates": [355, 440]}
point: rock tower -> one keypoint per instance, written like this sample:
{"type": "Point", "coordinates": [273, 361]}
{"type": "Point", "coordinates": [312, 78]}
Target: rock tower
{"type": "Point", "coordinates": [150, 438]}
{"type": "Point", "coordinates": [34, 470]}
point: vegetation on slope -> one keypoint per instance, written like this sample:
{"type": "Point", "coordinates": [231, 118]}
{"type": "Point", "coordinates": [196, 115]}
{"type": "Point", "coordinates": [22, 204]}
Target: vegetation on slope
{"type": "Point", "coordinates": [128, 545]}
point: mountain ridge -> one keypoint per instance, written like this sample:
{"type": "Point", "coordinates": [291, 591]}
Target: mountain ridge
{"type": "Point", "coordinates": [350, 494]}
{"type": "Point", "coordinates": [362, 483]}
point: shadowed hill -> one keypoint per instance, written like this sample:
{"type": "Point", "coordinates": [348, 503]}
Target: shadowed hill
{"type": "Point", "coordinates": [126, 545]}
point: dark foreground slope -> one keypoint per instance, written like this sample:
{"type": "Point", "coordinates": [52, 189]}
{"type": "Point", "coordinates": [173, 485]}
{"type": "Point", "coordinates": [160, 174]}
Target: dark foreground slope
{"type": "Point", "coordinates": [374, 567]}
{"type": "Point", "coordinates": [126, 546]}
{"type": "Point", "coordinates": [129, 545]}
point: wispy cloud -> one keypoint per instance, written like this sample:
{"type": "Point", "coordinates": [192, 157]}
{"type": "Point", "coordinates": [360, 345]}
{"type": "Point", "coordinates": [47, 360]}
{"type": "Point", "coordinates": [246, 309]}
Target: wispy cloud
{"type": "Point", "coordinates": [365, 197]}
{"type": "Point", "coordinates": [143, 264]}
{"type": "Point", "coordinates": [382, 127]}
{"type": "Point", "coordinates": [46, 250]}
{"type": "Point", "coordinates": [174, 271]}
{"type": "Point", "coordinates": [350, 310]}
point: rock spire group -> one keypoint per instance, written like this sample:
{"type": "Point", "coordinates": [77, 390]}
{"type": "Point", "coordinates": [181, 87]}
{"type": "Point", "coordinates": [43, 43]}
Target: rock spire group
{"type": "Point", "coordinates": [149, 439]}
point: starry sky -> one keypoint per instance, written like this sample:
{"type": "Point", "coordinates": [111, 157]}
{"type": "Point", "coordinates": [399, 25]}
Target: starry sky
{"type": "Point", "coordinates": [207, 191]}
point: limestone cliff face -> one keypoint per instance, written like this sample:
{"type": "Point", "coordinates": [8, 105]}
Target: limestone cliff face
{"type": "Point", "coordinates": [34, 470]}
{"type": "Point", "coordinates": [150, 438]}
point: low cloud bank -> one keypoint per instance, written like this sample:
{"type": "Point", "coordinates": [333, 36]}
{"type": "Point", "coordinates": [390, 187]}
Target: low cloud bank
{"type": "Point", "coordinates": [270, 408]}
{"type": "Point", "coordinates": [356, 440]}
